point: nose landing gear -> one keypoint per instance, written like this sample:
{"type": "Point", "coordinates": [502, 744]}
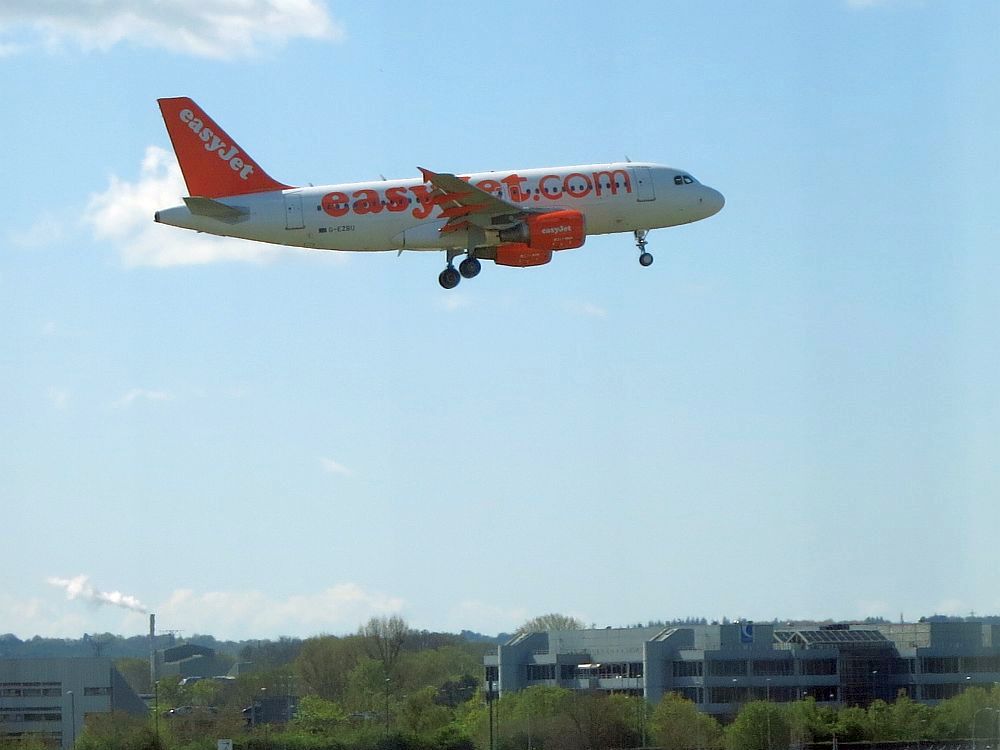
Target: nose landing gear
{"type": "Point", "coordinates": [645, 258]}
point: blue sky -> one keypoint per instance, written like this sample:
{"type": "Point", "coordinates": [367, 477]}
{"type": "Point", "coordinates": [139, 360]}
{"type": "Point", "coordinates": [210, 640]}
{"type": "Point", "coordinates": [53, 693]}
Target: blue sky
{"type": "Point", "coordinates": [794, 412]}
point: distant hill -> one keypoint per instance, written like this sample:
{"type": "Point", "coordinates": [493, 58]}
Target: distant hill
{"type": "Point", "coordinates": [278, 651]}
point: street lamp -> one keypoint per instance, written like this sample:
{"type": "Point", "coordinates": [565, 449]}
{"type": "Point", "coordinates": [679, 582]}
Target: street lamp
{"type": "Point", "coordinates": [767, 695]}
{"type": "Point", "coordinates": [387, 706]}
{"type": "Point", "coordinates": [263, 716]}
{"type": "Point", "coordinates": [72, 705]}
{"type": "Point", "coordinates": [984, 708]}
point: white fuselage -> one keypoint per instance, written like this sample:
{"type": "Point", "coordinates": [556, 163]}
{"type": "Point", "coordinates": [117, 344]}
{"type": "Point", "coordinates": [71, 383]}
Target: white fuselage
{"type": "Point", "coordinates": [400, 215]}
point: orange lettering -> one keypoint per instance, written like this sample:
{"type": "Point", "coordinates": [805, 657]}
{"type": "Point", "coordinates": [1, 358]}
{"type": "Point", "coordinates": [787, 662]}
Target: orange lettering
{"type": "Point", "coordinates": [396, 198]}
{"type": "Point", "coordinates": [425, 204]}
{"type": "Point", "coordinates": [368, 202]}
{"type": "Point", "coordinates": [513, 183]}
{"type": "Point", "coordinates": [488, 186]}
{"type": "Point", "coordinates": [575, 190]}
{"type": "Point", "coordinates": [335, 204]}
{"type": "Point", "coordinates": [556, 193]}
{"type": "Point", "coordinates": [612, 178]}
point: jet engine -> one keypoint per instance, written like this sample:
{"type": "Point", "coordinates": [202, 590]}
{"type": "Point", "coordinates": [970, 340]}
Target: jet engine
{"type": "Point", "coordinates": [557, 230]}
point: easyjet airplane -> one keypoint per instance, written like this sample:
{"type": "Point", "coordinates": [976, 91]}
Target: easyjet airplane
{"type": "Point", "coordinates": [512, 217]}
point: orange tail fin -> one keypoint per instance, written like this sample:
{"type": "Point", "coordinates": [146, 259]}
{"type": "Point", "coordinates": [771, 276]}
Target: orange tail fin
{"type": "Point", "coordinates": [213, 165]}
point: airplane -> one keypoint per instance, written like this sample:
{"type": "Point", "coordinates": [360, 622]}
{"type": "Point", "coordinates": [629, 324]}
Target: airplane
{"type": "Point", "coordinates": [512, 217]}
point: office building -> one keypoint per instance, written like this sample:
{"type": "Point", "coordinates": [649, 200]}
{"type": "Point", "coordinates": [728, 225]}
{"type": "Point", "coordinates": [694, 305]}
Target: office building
{"type": "Point", "coordinates": [720, 667]}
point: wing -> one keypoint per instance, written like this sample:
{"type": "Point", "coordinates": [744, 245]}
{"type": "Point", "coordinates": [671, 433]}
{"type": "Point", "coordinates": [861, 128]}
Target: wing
{"type": "Point", "coordinates": [466, 206]}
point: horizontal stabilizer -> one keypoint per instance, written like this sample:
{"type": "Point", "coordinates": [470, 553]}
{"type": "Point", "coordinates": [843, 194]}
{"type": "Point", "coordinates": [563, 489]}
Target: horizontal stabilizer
{"type": "Point", "coordinates": [213, 209]}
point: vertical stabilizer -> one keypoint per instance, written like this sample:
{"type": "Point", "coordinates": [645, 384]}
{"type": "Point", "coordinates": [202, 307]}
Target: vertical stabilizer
{"type": "Point", "coordinates": [213, 164]}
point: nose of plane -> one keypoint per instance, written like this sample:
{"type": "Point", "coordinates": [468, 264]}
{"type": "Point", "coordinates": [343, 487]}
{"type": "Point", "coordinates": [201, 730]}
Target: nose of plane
{"type": "Point", "coordinates": [713, 201]}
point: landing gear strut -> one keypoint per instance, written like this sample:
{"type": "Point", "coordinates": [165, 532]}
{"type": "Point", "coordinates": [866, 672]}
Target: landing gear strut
{"type": "Point", "coordinates": [645, 258]}
{"type": "Point", "coordinates": [467, 269]}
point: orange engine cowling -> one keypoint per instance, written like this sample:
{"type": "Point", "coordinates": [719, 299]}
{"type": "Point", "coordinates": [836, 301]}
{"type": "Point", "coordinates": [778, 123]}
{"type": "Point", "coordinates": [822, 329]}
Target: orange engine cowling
{"type": "Point", "coordinates": [520, 255]}
{"type": "Point", "coordinates": [557, 230]}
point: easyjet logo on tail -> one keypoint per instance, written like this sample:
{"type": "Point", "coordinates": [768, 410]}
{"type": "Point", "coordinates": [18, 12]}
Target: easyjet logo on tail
{"type": "Point", "coordinates": [213, 164]}
{"type": "Point", "coordinates": [214, 143]}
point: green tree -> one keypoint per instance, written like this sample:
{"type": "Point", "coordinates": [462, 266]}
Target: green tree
{"type": "Point", "coordinates": [117, 731]}
{"type": "Point", "coordinates": [593, 720]}
{"type": "Point", "coordinates": [318, 716]}
{"type": "Point", "coordinates": [677, 724]}
{"type": "Point", "coordinates": [760, 725]}
{"type": "Point", "coordinates": [421, 715]}
{"type": "Point", "coordinates": [851, 724]}
{"type": "Point", "coordinates": [324, 663]}
{"type": "Point", "coordinates": [908, 720]}
{"type": "Point", "coordinates": [551, 621]}
{"type": "Point", "coordinates": [384, 638]}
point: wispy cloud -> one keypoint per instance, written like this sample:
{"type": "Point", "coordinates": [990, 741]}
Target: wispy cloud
{"type": "Point", "coordinates": [340, 608]}
{"type": "Point", "coordinates": [455, 301]}
{"type": "Point", "coordinates": [58, 397]}
{"type": "Point", "coordinates": [80, 588]}
{"type": "Point", "coordinates": [47, 229]}
{"type": "Point", "coordinates": [484, 617]}
{"type": "Point", "coordinates": [142, 394]}
{"type": "Point", "coordinates": [223, 29]}
{"type": "Point", "coordinates": [123, 216]}
{"type": "Point", "coordinates": [862, 4]}
{"type": "Point", "coordinates": [335, 467]}
{"type": "Point", "coordinates": [586, 309]}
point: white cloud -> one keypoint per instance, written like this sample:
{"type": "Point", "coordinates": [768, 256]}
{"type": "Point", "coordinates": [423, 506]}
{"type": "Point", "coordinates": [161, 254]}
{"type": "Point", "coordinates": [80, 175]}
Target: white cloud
{"type": "Point", "coordinates": [333, 467]}
{"type": "Point", "coordinates": [123, 216]}
{"type": "Point", "coordinates": [252, 614]}
{"type": "Point", "coordinates": [142, 394]}
{"type": "Point", "coordinates": [223, 29]}
{"type": "Point", "coordinates": [79, 588]}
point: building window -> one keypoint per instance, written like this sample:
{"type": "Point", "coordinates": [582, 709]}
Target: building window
{"type": "Point", "coordinates": [940, 665]}
{"type": "Point", "coordinates": [97, 691]}
{"type": "Point", "coordinates": [688, 668]}
{"type": "Point", "coordinates": [541, 672]}
{"type": "Point", "coordinates": [727, 668]}
{"type": "Point", "coordinates": [774, 667]}
{"type": "Point", "coordinates": [819, 666]}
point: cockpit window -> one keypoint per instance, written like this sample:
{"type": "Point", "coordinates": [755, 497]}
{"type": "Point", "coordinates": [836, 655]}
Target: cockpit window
{"type": "Point", "coordinates": [683, 179]}
{"type": "Point", "coordinates": [687, 180]}
{"type": "Point", "coordinates": [678, 180]}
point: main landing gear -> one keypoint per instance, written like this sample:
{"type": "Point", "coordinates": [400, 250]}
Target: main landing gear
{"type": "Point", "coordinates": [645, 258]}
{"type": "Point", "coordinates": [467, 269]}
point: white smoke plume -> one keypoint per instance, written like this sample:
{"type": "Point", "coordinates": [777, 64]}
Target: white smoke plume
{"type": "Point", "coordinates": [80, 588]}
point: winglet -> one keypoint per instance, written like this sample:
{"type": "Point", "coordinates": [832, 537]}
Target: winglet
{"type": "Point", "coordinates": [214, 166]}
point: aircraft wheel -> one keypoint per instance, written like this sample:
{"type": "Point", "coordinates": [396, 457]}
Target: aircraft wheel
{"type": "Point", "coordinates": [470, 268]}
{"type": "Point", "coordinates": [646, 259]}
{"type": "Point", "coordinates": [449, 278]}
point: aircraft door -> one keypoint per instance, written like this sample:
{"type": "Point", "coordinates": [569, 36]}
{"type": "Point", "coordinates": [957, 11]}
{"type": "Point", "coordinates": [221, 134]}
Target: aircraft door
{"type": "Point", "coordinates": [293, 211]}
{"type": "Point", "coordinates": [643, 184]}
